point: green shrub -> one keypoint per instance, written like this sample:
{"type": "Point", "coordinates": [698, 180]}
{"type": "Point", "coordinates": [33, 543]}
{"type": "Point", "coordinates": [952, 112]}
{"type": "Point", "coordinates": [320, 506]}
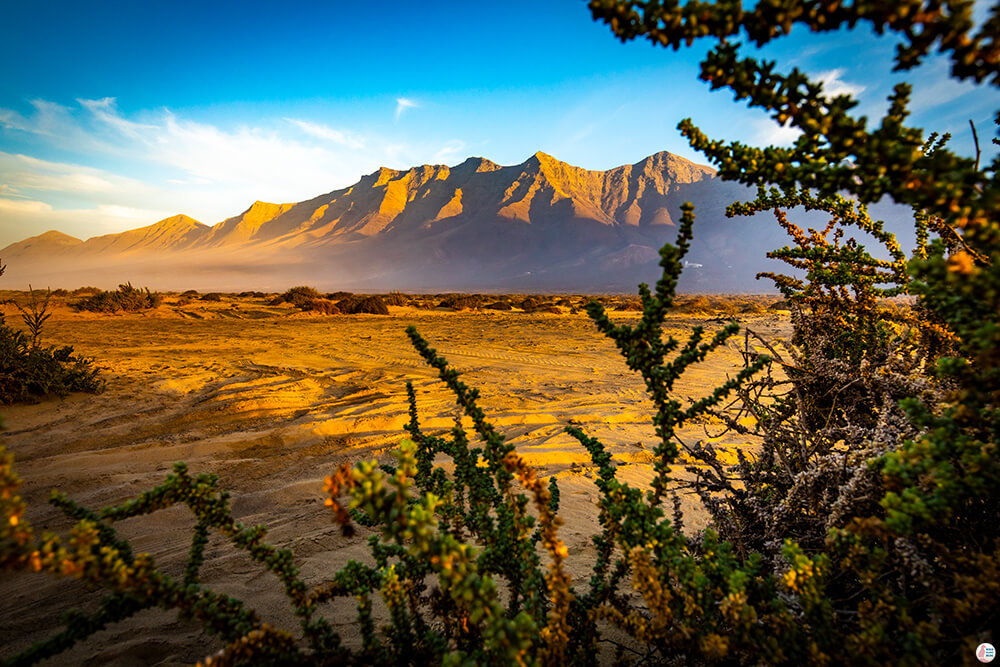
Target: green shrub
{"type": "Point", "coordinates": [125, 299]}
{"type": "Point", "coordinates": [30, 371]}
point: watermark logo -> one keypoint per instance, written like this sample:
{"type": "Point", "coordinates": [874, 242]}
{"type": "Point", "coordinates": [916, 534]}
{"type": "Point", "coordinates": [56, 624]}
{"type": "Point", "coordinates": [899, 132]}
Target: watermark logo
{"type": "Point", "coordinates": [985, 652]}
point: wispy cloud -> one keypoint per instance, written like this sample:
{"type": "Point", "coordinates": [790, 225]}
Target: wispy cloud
{"type": "Point", "coordinates": [321, 131]}
{"type": "Point", "coordinates": [179, 158]}
{"type": "Point", "coordinates": [834, 85]}
{"type": "Point", "coordinates": [23, 206]}
{"type": "Point", "coordinates": [402, 104]}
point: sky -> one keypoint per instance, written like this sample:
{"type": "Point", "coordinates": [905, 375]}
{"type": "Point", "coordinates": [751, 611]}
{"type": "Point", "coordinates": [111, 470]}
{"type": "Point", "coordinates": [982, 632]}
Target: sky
{"type": "Point", "coordinates": [116, 114]}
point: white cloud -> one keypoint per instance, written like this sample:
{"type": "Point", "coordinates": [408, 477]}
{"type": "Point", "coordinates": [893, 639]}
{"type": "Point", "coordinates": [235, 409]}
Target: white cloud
{"type": "Point", "coordinates": [834, 85]}
{"type": "Point", "coordinates": [23, 172]}
{"type": "Point", "coordinates": [766, 132]}
{"type": "Point", "coordinates": [106, 111]}
{"type": "Point", "coordinates": [23, 206]}
{"type": "Point", "coordinates": [12, 120]}
{"type": "Point", "coordinates": [326, 132]}
{"type": "Point", "coordinates": [402, 104]}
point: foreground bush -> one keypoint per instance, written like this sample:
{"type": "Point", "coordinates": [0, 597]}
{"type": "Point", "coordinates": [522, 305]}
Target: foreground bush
{"type": "Point", "coordinates": [125, 299]}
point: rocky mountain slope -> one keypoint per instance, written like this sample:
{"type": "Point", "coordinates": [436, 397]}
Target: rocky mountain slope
{"type": "Point", "coordinates": [539, 225]}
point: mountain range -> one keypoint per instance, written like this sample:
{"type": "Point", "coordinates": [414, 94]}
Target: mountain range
{"type": "Point", "coordinates": [542, 225]}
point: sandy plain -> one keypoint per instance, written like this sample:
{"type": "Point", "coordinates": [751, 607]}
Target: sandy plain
{"type": "Point", "coordinates": [273, 400]}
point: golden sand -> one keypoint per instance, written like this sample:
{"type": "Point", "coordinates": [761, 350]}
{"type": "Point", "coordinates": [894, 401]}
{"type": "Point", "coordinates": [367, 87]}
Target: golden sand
{"type": "Point", "coordinates": [272, 401]}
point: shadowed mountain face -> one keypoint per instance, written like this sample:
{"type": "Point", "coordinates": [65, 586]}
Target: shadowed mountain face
{"type": "Point", "coordinates": [537, 226]}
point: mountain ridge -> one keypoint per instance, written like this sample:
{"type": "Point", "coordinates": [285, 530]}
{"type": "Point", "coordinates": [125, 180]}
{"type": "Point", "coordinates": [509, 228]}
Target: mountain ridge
{"type": "Point", "coordinates": [540, 224]}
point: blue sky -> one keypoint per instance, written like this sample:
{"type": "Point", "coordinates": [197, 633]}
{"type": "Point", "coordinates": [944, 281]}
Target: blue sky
{"type": "Point", "coordinates": [116, 114]}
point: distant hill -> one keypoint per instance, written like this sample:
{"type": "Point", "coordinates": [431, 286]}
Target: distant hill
{"type": "Point", "coordinates": [540, 225]}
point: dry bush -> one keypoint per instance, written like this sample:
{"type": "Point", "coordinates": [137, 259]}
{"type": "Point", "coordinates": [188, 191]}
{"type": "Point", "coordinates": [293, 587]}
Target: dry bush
{"type": "Point", "coordinates": [498, 305]}
{"type": "Point", "coordinates": [85, 291]}
{"type": "Point", "coordinates": [324, 306]}
{"type": "Point", "coordinates": [301, 297]}
{"type": "Point", "coordinates": [373, 305]}
{"type": "Point", "coordinates": [462, 302]}
{"type": "Point", "coordinates": [125, 299]}
{"type": "Point", "coordinates": [396, 299]}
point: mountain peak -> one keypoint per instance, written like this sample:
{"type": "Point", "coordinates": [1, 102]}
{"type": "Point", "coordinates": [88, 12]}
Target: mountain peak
{"type": "Point", "coordinates": [179, 221]}
{"type": "Point", "coordinates": [54, 236]}
{"type": "Point", "coordinates": [261, 211]}
{"type": "Point", "coordinates": [478, 164]}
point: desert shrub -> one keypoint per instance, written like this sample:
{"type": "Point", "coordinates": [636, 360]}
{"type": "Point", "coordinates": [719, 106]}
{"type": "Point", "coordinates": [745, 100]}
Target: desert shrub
{"type": "Point", "coordinates": [339, 296]}
{"type": "Point", "coordinates": [356, 304]}
{"type": "Point", "coordinates": [300, 297]}
{"type": "Point", "coordinates": [183, 301]}
{"type": "Point", "coordinates": [396, 299]}
{"type": "Point", "coordinates": [750, 307]}
{"type": "Point", "coordinates": [693, 304]}
{"type": "Point", "coordinates": [126, 298]}
{"type": "Point", "coordinates": [498, 305]}
{"type": "Point", "coordinates": [29, 370]}
{"type": "Point", "coordinates": [276, 301]}
{"type": "Point", "coordinates": [324, 306]}
{"type": "Point", "coordinates": [190, 294]}
{"type": "Point", "coordinates": [530, 303]}
{"type": "Point", "coordinates": [211, 296]}
{"type": "Point", "coordinates": [59, 292]}
{"type": "Point", "coordinates": [628, 305]}
{"type": "Point", "coordinates": [252, 295]}
{"type": "Point", "coordinates": [84, 291]}
{"type": "Point", "coordinates": [462, 302]}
